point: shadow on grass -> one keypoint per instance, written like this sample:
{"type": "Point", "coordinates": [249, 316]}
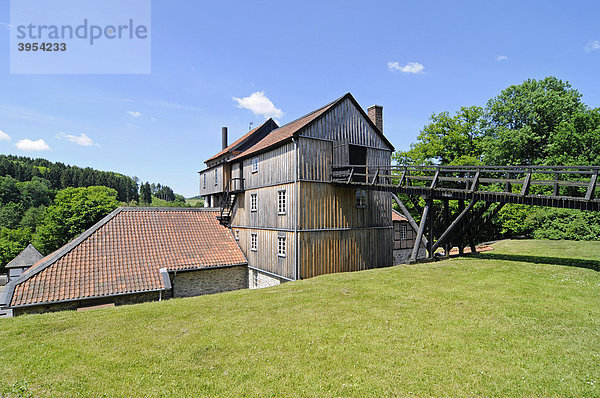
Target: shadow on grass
{"type": "Point", "coordinates": [569, 262]}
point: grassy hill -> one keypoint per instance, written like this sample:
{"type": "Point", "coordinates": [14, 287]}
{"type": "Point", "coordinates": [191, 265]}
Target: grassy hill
{"type": "Point", "coordinates": [521, 320]}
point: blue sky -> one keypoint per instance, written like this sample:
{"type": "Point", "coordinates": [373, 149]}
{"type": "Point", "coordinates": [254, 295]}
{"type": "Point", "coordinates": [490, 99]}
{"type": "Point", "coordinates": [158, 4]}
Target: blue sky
{"type": "Point", "coordinates": [414, 58]}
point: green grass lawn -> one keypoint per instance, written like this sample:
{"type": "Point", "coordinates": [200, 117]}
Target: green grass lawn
{"type": "Point", "coordinates": [506, 323]}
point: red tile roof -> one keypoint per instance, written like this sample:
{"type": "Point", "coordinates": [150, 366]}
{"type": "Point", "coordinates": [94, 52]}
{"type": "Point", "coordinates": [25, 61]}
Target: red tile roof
{"type": "Point", "coordinates": [234, 145]}
{"type": "Point", "coordinates": [397, 216]}
{"type": "Point", "coordinates": [285, 132]}
{"type": "Point", "coordinates": [124, 253]}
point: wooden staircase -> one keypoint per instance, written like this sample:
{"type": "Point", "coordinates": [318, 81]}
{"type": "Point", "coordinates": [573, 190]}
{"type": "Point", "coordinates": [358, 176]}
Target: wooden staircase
{"type": "Point", "coordinates": [234, 186]}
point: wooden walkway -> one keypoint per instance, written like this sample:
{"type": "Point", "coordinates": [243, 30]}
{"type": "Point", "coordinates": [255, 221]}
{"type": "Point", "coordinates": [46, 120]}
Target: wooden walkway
{"type": "Point", "coordinates": [571, 187]}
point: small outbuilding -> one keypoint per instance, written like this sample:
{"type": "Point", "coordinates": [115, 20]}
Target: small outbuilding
{"type": "Point", "coordinates": [28, 257]}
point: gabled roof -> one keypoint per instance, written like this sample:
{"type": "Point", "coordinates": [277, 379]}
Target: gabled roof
{"type": "Point", "coordinates": [286, 132]}
{"type": "Point", "coordinates": [129, 251]}
{"type": "Point", "coordinates": [397, 216]}
{"type": "Point", "coordinates": [251, 137]}
{"type": "Point", "coordinates": [29, 256]}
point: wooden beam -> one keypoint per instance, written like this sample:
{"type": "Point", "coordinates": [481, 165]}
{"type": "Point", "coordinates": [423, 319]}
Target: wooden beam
{"type": "Point", "coordinates": [453, 225]}
{"type": "Point", "coordinates": [415, 251]}
{"type": "Point", "coordinates": [475, 183]}
{"type": "Point", "coordinates": [526, 184]}
{"type": "Point", "coordinates": [589, 195]}
{"type": "Point", "coordinates": [435, 179]}
{"type": "Point", "coordinates": [409, 217]}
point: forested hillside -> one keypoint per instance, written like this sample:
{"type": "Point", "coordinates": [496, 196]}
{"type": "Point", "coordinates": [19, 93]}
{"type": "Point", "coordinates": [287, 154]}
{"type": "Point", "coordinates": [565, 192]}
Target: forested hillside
{"type": "Point", "coordinates": [48, 204]}
{"type": "Point", "coordinates": [538, 122]}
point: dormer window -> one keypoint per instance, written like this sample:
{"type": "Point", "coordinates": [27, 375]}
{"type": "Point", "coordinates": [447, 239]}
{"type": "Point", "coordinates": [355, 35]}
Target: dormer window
{"type": "Point", "coordinates": [254, 165]}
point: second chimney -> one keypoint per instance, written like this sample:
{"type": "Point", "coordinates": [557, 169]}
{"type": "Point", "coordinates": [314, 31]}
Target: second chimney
{"type": "Point", "coordinates": [375, 113]}
{"type": "Point", "coordinates": [224, 137]}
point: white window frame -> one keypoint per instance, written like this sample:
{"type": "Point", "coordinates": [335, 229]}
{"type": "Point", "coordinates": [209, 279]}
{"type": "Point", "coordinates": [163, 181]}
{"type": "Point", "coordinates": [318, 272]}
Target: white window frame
{"type": "Point", "coordinates": [281, 202]}
{"type": "Point", "coordinates": [253, 202]}
{"type": "Point", "coordinates": [254, 242]}
{"type": "Point", "coordinates": [237, 234]}
{"type": "Point", "coordinates": [281, 246]}
{"type": "Point", "coordinates": [254, 162]}
{"type": "Point", "coordinates": [360, 199]}
{"type": "Point", "coordinates": [403, 231]}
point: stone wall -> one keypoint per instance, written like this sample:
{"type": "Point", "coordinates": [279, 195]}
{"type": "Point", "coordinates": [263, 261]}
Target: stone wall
{"type": "Point", "coordinates": [208, 281]}
{"type": "Point", "coordinates": [258, 280]}
{"type": "Point", "coordinates": [73, 305]}
{"type": "Point", "coordinates": [402, 256]}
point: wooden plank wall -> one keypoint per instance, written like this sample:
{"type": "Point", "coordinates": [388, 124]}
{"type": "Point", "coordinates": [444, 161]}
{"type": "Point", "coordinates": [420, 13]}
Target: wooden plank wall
{"type": "Point", "coordinates": [266, 215]}
{"type": "Point", "coordinates": [331, 206]}
{"type": "Point", "coordinates": [210, 180]}
{"type": "Point", "coordinates": [266, 257]}
{"type": "Point", "coordinates": [274, 167]}
{"type": "Point", "coordinates": [327, 252]}
{"type": "Point", "coordinates": [345, 122]}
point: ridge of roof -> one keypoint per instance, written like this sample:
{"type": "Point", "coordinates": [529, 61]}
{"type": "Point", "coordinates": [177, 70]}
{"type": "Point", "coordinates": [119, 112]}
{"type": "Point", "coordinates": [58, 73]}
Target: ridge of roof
{"type": "Point", "coordinates": [288, 130]}
{"type": "Point", "coordinates": [242, 140]}
{"type": "Point", "coordinates": [23, 259]}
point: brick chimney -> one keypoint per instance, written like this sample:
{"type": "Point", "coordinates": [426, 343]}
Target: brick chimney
{"type": "Point", "coordinates": [376, 115]}
{"type": "Point", "coordinates": [224, 137]}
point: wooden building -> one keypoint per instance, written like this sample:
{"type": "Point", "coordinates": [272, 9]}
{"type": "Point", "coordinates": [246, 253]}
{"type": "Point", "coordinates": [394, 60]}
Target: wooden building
{"type": "Point", "coordinates": [274, 187]}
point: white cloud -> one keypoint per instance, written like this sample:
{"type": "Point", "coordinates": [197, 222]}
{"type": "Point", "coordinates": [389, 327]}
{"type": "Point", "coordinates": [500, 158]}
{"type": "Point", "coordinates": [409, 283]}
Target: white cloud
{"type": "Point", "coordinates": [259, 104]}
{"type": "Point", "coordinates": [32, 146]}
{"type": "Point", "coordinates": [411, 67]}
{"type": "Point", "coordinates": [592, 46]}
{"type": "Point", "coordinates": [82, 139]}
{"type": "Point", "coordinates": [134, 113]}
{"type": "Point", "coordinates": [4, 136]}
{"type": "Point", "coordinates": [501, 57]}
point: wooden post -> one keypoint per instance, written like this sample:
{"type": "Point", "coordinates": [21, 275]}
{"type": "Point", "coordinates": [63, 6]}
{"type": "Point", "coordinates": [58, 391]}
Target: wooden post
{"type": "Point", "coordinates": [415, 252]}
{"type": "Point", "coordinates": [447, 244]}
{"type": "Point", "coordinates": [430, 227]}
{"type": "Point", "coordinates": [590, 191]}
{"type": "Point", "coordinates": [453, 225]}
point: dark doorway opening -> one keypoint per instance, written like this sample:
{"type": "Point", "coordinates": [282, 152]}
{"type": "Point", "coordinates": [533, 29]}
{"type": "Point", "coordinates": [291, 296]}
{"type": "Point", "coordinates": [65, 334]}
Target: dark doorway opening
{"type": "Point", "coordinates": [358, 156]}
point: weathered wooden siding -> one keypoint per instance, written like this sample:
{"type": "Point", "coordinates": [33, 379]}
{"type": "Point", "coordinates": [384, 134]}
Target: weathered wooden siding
{"type": "Point", "coordinates": [274, 167]}
{"type": "Point", "coordinates": [266, 215]}
{"type": "Point", "coordinates": [265, 257]}
{"type": "Point", "coordinates": [327, 252]}
{"type": "Point", "coordinates": [345, 122]}
{"type": "Point", "coordinates": [316, 157]}
{"type": "Point", "coordinates": [330, 206]}
{"type": "Point", "coordinates": [210, 180]}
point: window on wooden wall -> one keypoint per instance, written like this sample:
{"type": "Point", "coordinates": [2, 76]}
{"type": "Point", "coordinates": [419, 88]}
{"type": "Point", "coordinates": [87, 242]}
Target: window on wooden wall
{"type": "Point", "coordinates": [254, 165]}
{"type": "Point", "coordinates": [253, 242]}
{"type": "Point", "coordinates": [281, 252]}
{"type": "Point", "coordinates": [361, 198]}
{"type": "Point", "coordinates": [204, 180]}
{"type": "Point", "coordinates": [216, 176]}
{"type": "Point", "coordinates": [253, 202]}
{"type": "Point", "coordinates": [237, 234]}
{"type": "Point", "coordinates": [281, 202]}
{"type": "Point", "coordinates": [403, 231]}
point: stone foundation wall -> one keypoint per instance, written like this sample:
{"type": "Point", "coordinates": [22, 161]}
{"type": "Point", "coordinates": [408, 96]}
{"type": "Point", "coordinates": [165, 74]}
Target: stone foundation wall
{"type": "Point", "coordinates": [258, 280]}
{"type": "Point", "coordinates": [208, 281]}
{"type": "Point", "coordinates": [73, 305]}
{"type": "Point", "coordinates": [403, 255]}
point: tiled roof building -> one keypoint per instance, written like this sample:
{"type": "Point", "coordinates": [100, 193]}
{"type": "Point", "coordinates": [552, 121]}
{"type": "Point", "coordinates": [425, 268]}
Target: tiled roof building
{"type": "Point", "coordinates": [131, 251]}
